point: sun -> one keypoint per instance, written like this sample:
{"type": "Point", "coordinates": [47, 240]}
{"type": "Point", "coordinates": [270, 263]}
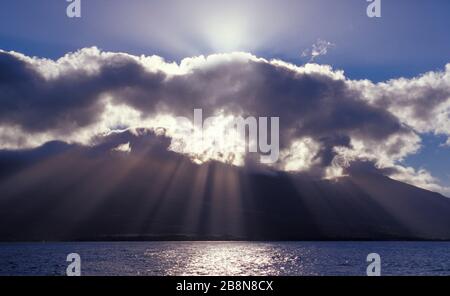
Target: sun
{"type": "Point", "coordinates": [227, 34]}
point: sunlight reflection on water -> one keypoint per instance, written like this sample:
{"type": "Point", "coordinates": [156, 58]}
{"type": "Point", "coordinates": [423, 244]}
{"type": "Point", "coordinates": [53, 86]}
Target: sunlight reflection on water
{"type": "Point", "coordinates": [232, 259]}
{"type": "Point", "coordinates": [237, 258]}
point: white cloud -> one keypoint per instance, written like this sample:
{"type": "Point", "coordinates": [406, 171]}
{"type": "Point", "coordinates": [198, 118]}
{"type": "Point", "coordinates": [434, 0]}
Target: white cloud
{"type": "Point", "coordinates": [422, 102]}
{"type": "Point", "coordinates": [420, 178]}
{"type": "Point", "coordinates": [327, 121]}
{"type": "Point", "coordinates": [320, 48]}
{"type": "Point", "coordinates": [124, 148]}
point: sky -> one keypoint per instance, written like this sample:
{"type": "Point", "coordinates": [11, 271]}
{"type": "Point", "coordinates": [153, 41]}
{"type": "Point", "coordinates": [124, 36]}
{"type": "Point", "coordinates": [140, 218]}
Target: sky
{"type": "Point", "coordinates": [409, 39]}
{"type": "Point", "coordinates": [385, 110]}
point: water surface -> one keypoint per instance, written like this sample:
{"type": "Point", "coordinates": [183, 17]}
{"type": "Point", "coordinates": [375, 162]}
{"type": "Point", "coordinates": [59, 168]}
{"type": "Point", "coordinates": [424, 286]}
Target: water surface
{"type": "Point", "coordinates": [226, 258]}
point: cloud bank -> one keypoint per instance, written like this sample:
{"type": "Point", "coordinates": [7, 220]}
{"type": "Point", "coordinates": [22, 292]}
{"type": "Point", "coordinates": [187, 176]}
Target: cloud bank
{"type": "Point", "coordinates": [329, 125]}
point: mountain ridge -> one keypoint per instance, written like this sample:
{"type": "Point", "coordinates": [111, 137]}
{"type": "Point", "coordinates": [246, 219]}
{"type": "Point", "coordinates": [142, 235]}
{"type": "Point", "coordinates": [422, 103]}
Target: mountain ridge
{"type": "Point", "coordinates": [69, 192]}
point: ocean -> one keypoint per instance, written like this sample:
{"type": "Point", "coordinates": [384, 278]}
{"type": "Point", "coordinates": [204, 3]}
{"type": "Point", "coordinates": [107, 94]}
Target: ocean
{"type": "Point", "coordinates": [225, 258]}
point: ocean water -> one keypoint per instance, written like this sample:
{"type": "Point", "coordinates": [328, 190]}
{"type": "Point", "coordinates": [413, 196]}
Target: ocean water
{"type": "Point", "coordinates": [226, 258]}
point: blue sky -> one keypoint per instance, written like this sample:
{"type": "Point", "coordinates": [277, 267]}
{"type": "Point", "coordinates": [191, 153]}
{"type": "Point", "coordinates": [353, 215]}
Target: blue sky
{"type": "Point", "coordinates": [411, 37]}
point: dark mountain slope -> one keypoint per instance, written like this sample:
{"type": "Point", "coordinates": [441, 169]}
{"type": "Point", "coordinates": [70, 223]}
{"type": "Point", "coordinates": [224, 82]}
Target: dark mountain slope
{"type": "Point", "coordinates": [64, 192]}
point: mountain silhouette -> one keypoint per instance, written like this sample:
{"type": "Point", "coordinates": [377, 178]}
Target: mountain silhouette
{"type": "Point", "coordinates": [70, 192]}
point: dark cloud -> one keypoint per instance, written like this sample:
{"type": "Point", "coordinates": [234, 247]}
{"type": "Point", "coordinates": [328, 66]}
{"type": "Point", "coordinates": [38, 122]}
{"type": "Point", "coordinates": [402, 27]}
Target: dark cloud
{"type": "Point", "coordinates": [68, 96]}
{"type": "Point", "coordinates": [309, 104]}
{"type": "Point", "coordinates": [37, 104]}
